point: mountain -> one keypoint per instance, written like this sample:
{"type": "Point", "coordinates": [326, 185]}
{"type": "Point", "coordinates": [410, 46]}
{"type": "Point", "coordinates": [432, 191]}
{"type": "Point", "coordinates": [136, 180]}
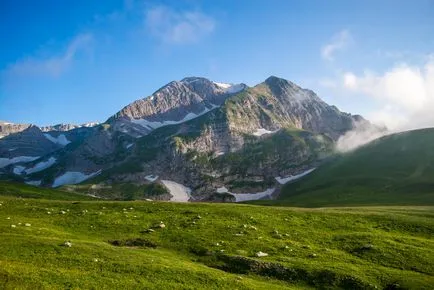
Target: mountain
{"type": "Point", "coordinates": [175, 103]}
{"type": "Point", "coordinates": [200, 139]}
{"type": "Point", "coordinates": [23, 143]}
{"type": "Point", "coordinates": [67, 127]}
{"type": "Point", "coordinates": [7, 128]}
{"type": "Point", "coordinates": [397, 169]}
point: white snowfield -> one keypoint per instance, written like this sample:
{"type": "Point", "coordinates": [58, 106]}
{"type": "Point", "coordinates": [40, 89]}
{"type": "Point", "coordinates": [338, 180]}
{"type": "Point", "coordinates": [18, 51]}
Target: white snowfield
{"type": "Point", "coordinates": [293, 177]}
{"type": "Point", "coordinates": [7, 161]}
{"type": "Point", "coordinates": [73, 177]}
{"type": "Point", "coordinates": [223, 85]}
{"type": "Point", "coordinates": [179, 192]}
{"type": "Point", "coordinates": [90, 124]}
{"type": "Point", "coordinates": [151, 178]}
{"type": "Point", "coordinates": [61, 139]}
{"type": "Point", "coordinates": [247, 196]}
{"type": "Point", "coordinates": [41, 166]}
{"type": "Point", "coordinates": [18, 169]}
{"type": "Point", "coordinates": [252, 196]}
{"type": "Point", "coordinates": [230, 88]}
{"type": "Point", "coordinates": [154, 125]}
{"type": "Point", "coordinates": [222, 189]}
{"type": "Point", "coordinates": [34, 182]}
{"type": "Point", "coordinates": [262, 131]}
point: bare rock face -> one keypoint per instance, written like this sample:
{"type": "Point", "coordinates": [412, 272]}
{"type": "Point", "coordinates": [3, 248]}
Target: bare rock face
{"type": "Point", "coordinates": [7, 128]}
{"type": "Point", "coordinates": [67, 127]}
{"type": "Point", "coordinates": [174, 103]}
{"type": "Point", "coordinates": [278, 103]}
{"type": "Point", "coordinates": [28, 142]}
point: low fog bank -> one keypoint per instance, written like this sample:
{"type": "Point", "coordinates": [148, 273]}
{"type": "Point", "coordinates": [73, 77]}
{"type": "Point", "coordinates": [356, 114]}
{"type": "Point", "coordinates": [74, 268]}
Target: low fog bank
{"type": "Point", "coordinates": [363, 133]}
{"type": "Point", "coordinates": [366, 132]}
{"type": "Point", "coordinates": [405, 94]}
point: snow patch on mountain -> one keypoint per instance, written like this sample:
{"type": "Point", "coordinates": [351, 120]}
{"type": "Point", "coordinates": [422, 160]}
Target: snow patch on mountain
{"type": "Point", "coordinates": [151, 125]}
{"type": "Point", "coordinates": [61, 139]}
{"type": "Point", "coordinates": [73, 177]}
{"type": "Point", "coordinates": [223, 85]}
{"type": "Point", "coordinates": [151, 178]}
{"type": "Point", "coordinates": [179, 192]}
{"type": "Point", "coordinates": [230, 88]}
{"type": "Point", "coordinates": [239, 197]}
{"type": "Point", "coordinates": [7, 161]}
{"type": "Point", "coordinates": [235, 89]}
{"type": "Point", "coordinates": [285, 180]}
{"type": "Point", "coordinates": [261, 131]}
{"type": "Point", "coordinates": [34, 182]}
{"type": "Point", "coordinates": [41, 166]}
{"type": "Point", "coordinates": [18, 169]}
{"type": "Point", "coordinates": [222, 189]}
{"type": "Point", "coordinates": [90, 124]}
{"type": "Point", "coordinates": [247, 196]}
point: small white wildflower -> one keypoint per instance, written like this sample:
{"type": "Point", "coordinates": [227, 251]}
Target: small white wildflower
{"type": "Point", "coordinates": [261, 254]}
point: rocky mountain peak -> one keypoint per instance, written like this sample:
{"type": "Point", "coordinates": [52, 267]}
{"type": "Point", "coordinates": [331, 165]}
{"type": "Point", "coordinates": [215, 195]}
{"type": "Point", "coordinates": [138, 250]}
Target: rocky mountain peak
{"type": "Point", "coordinates": [67, 127]}
{"type": "Point", "coordinates": [279, 86]}
{"type": "Point", "coordinates": [7, 128]}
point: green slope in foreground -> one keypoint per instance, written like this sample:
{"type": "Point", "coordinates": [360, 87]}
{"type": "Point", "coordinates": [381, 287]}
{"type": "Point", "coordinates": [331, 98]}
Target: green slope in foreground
{"type": "Point", "coordinates": [394, 170]}
{"type": "Point", "coordinates": [212, 246]}
{"type": "Point", "coordinates": [13, 189]}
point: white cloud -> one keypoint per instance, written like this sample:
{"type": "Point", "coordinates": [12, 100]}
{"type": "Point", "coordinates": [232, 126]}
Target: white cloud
{"type": "Point", "coordinates": [54, 65]}
{"type": "Point", "coordinates": [338, 42]}
{"type": "Point", "coordinates": [402, 96]}
{"type": "Point", "coordinates": [405, 94]}
{"type": "Point", "coordinates": [178, 27]}
{"type": "Point", "coordinates": [362, 134]}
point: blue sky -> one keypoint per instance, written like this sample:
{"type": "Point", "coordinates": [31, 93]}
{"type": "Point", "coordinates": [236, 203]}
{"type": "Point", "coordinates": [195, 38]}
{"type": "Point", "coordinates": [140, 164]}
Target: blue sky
{"type": "Point", "coordinates": [80, 61]}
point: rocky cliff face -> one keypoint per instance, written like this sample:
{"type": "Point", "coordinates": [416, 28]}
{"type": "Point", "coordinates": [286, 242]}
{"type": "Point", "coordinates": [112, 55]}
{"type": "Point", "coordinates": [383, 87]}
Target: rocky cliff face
{"type": "Point", "coordinates": [175, 103]}
{"type": "Point", "coordinates": [28, 142]}
{"type": "Point", "coordinates": [211, 137]}
{"type": "Point", "coordinates": [278, 103]}
{"type": "Point", "coordinates": [7, 128]}
{"type": "Point", "coordinates": [67, 127]}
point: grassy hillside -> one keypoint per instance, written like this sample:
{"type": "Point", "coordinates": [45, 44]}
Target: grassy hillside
{"type": "Point", "coordinates": [394, 170]}
{"type": "Point", "coordinates": [10, 189]}
{"type": "Point", "coordinates": [212, 246]}
{"type": "Point", "coordinates": [121, 191]}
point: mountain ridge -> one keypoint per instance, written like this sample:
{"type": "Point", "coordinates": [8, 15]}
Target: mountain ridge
{"type": "Point", "coordinates": [199, 133]}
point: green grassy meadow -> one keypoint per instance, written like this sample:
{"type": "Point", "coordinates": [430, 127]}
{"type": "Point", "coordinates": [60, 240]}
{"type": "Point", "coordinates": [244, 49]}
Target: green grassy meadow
{"type": "Point", "coordinates": [394, 170]}
{"type": "Point", "coordinates": [209, 246]}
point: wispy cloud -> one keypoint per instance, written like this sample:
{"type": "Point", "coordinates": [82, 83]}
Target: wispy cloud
{"type": "Point", "coordinates": [402, 95]}
{"type": "Point", "coordinates": [54, 65]}
{"type": "Point", "coordinates": [405, 92]}
{"type": "Point", "coordinates": [338, 42]}
{"type": "Point", "coordinates": [178, 27]}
